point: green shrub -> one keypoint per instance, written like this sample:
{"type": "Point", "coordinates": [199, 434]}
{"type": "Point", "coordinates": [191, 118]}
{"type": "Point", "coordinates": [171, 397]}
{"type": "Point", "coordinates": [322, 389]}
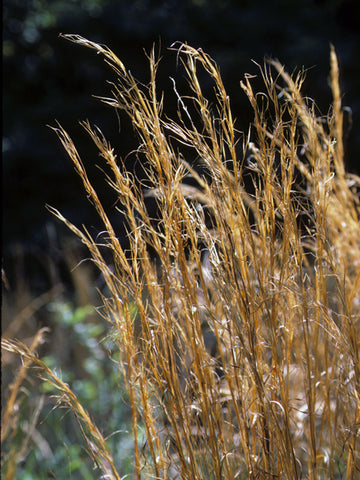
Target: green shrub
{"type": "Point", "coordinates": [45, 441]}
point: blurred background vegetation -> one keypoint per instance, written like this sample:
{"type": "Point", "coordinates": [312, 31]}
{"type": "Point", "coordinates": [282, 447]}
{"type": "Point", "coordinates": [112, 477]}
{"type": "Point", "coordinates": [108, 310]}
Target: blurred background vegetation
{"type": "Point", "coordinates": [46, 79]}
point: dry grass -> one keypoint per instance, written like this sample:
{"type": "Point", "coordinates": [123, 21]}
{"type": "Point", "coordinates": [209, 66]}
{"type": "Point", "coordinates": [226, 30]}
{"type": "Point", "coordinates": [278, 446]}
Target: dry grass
{"type": "Point", "coordinates": [10, 415]}
{"type": "Point", "coordinates": [240, 342]}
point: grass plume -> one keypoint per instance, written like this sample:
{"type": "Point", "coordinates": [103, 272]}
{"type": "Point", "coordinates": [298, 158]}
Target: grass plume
{"type": "Point", "coordinates": [239, 344]}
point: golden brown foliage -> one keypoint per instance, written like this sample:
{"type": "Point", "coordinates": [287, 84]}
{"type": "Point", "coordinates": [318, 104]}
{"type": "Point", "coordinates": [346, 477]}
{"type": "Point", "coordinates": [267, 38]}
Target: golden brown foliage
{"type": "Point", "coordinates": [242, 357]}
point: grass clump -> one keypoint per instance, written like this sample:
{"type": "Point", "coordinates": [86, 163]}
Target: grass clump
{"type": "Point", "coordinates": [236, 311]}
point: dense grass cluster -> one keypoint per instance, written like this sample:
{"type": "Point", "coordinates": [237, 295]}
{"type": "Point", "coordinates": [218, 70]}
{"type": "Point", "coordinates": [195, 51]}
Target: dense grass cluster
{"type": "Point", "coordinates": [236, 312]}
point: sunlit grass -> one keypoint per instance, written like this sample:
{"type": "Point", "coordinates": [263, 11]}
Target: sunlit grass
{"type": "Point", "coordinates": [239, 334]}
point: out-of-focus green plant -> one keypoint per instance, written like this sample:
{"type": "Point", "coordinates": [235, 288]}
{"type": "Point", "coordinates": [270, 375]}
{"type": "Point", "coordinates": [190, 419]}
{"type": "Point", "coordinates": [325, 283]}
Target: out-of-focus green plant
{"type": "Point", "coordinates": [48, 439]}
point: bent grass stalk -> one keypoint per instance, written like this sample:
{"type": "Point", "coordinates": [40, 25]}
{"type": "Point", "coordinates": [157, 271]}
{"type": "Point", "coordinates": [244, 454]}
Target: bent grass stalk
{"type": "Point", "coordinates": [242, 360]}
{"type": "Point", "coordinates": [97, 447]}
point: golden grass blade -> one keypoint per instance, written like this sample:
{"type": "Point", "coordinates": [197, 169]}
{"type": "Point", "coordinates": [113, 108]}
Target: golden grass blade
{"type": "Point", "coordinates": [239, 340]}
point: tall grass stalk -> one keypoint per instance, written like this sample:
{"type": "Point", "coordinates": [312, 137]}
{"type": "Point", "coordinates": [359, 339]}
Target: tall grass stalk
{"type": "Point", "coordinates": [240, 341]}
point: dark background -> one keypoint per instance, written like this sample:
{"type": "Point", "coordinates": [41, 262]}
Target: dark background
{"type": "Point", "coordinates": [46, 78]}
